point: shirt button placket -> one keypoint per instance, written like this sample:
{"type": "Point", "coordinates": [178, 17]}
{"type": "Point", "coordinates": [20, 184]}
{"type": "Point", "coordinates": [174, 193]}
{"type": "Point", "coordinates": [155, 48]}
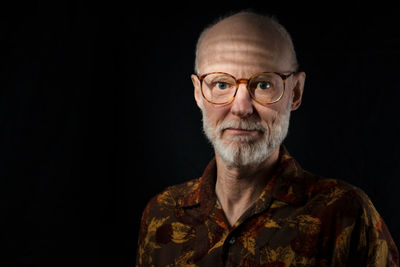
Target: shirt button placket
{"type": "Point", "coordinates": [232, 240]}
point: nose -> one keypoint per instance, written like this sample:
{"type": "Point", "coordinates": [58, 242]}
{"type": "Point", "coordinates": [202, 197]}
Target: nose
{"type": "Point", "coordinates": [242, 105]}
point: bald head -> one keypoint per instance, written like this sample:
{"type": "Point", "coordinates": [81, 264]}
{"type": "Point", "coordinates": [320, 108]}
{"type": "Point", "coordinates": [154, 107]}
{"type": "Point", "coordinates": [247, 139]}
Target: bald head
{"type": "Point", "coordinates": [245, 38]}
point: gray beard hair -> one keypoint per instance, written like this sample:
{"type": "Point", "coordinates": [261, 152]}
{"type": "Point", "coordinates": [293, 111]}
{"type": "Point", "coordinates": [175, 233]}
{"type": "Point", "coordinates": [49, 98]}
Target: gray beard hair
{"type": "Point", "coordinates": [242, 151]}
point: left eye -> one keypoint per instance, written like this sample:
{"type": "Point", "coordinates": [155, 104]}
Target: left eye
{"type": "Point", "coordinates": [263, 85]}
{"type": "Point", "coordinates": [222, 85]}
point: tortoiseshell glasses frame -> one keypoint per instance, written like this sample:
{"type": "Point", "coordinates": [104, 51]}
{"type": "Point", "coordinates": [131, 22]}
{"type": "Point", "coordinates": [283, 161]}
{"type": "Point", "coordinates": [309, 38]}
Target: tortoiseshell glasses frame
{"type": "Point", "coordinates": [284, 77]}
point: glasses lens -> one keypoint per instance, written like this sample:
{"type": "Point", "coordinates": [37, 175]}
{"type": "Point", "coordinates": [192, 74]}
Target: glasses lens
{"type": "Point", "coordinates": [219, 88]}
{"type": "Point", "coordinates": [266, 87]}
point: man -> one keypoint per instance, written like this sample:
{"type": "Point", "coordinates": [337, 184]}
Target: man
{"type": "Point", "coordinates": [254, 205]}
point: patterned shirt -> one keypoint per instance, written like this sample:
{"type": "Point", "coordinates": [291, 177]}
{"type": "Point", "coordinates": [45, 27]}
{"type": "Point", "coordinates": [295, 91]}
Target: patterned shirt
{"type": "Point", "coordinates": [299, 219]}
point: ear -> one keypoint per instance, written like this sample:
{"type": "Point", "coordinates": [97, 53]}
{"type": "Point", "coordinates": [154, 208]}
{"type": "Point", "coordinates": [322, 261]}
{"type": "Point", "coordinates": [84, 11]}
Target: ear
{"type": "Point", "coordinates": [299, 79]}
{"type": "Point", "coordinates": [197, 91]}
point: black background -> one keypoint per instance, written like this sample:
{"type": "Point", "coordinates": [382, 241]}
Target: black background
{"type": "Point", "coordinates": [97, 115]}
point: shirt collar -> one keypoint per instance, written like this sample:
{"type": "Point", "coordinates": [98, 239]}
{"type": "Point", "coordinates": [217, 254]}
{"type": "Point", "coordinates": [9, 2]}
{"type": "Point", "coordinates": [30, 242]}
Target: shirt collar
{"type": "Point", "coordinates": [287, 184]}
{"type": "Point", "coordinates": [291, 181]}
{"type": "Point", "coordinates": [205, 191]}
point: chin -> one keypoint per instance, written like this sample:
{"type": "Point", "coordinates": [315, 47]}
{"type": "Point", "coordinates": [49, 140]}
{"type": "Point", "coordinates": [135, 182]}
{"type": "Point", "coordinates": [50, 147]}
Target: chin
{"type": "Point", "coordinates": [242, 153]}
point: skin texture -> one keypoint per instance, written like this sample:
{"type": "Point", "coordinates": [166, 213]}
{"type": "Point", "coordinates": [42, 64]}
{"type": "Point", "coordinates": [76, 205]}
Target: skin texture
{"type": "Point", "coordinates": [242, 45]}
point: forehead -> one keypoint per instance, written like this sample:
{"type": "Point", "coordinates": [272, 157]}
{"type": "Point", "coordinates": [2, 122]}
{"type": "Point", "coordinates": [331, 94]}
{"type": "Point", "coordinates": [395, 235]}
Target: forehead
{"type": "Point", "coordinates": [242, 50]}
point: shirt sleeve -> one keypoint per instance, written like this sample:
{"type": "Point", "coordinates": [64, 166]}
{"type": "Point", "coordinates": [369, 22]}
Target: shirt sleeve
{"type": "Point", "coordinates": [367, 241]}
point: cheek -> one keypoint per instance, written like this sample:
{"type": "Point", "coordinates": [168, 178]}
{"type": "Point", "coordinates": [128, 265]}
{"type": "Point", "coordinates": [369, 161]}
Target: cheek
{"type": "Point", "coordinates": [287, 98]}
{"type": "Point", "coordinates": [269, 114]}
{"type": "Point", "coordinates": [215, 114]}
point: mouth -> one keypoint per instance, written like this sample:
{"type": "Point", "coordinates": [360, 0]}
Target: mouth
{"type": "Point", "coordinates": [241, 131]}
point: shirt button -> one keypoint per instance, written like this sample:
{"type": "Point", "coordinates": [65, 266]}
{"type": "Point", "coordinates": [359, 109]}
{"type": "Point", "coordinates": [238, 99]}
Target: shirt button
{"type": "Point", "coordinates": [232, 240]}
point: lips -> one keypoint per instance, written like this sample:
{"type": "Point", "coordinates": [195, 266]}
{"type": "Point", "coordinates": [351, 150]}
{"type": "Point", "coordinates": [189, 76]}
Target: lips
{"type": "Point", "coordinates": [241, 131]}
{"type": "Point", "coordinates": [242, 127]}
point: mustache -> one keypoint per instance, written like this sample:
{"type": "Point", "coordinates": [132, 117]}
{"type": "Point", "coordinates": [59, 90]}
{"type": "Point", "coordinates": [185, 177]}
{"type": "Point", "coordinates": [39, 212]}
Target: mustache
{"type": "Point", "coordinates": [249, 125]}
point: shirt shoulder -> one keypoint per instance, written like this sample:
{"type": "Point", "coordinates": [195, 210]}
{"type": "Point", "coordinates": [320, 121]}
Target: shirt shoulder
{"type": "Point", "coordinates": [173, 197]}
{"type": "Point", "coordinates": [333, 190]}
{"type": "Point", "coordinates": [341, 198]}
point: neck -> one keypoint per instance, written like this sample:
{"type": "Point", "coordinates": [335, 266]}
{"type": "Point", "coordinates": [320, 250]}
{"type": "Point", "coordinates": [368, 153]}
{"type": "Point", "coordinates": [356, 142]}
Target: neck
{"type": "Point", "coordinates": [237, 188]}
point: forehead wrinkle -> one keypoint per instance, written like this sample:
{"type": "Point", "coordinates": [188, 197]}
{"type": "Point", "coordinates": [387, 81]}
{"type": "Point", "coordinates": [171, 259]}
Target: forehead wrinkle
{"type": "Point", "coordinates": [248, 71]}
{"type": "Point", "coordinates": [243, 51]}
{"type": "Point", "coordinates": [240, 39]}
{"type": "Point", "coordinates": [239, 53]}
{"type": "Point", "coordinates": [229, 59]}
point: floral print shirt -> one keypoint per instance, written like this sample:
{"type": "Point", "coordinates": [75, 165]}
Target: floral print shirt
{"type": "Point", "coordinates": [300, 219]}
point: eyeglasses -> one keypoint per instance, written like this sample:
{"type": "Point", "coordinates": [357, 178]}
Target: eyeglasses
{"type": "Point", "coordinates": [265, 88]}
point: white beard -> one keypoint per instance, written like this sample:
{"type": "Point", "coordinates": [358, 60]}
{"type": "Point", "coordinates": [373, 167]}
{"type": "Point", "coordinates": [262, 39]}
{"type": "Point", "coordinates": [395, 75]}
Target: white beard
{"type": "Point", "coordinates": [240, 151]}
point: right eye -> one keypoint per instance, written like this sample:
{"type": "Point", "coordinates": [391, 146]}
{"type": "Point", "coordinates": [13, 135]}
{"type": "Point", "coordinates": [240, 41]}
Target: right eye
{"type": "Point", "coordinates": [221, 85]}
